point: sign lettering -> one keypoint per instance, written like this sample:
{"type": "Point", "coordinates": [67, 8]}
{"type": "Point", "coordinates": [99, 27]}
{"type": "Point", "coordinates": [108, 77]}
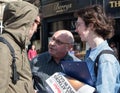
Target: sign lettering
{"type": "Point", "coordinates": [63, 84]}
{"type": "Point", "coordinates": [62, 8]}
{"type": "Point", "coordinates": [114, 4]}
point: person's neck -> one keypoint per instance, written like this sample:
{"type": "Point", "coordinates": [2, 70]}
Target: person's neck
{"type": "Point", "coordinates": [57, 59]}
{"type": "Point", "coordinates": [95, 42]}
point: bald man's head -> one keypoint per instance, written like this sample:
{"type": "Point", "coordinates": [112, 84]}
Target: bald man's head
{"type": "Point", "coordinates": [66, 35]}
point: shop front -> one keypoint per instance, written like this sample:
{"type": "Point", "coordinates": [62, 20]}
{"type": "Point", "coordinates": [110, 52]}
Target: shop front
{"type": "Point", "coordinates": [60, 15]}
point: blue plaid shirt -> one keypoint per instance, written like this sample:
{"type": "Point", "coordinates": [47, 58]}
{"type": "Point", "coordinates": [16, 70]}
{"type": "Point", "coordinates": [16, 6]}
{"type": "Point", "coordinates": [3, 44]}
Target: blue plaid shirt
{"type": "Point", "coordinates": [108, 76]}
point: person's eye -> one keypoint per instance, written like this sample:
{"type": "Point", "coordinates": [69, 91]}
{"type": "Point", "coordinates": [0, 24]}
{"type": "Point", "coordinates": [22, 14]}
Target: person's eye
{"type": "Point", "coordinates": [58, 42]}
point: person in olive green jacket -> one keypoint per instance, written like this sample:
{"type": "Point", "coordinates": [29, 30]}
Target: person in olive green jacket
{"type": "Point", "coordinates": [20, 21]}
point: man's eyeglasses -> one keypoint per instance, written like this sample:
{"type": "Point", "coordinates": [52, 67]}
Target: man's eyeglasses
{"type": "Point", "coordinates": [58, 42]}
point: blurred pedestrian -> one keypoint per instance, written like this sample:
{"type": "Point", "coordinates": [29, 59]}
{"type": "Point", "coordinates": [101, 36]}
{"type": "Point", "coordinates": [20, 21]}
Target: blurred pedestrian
{"type": "Point", "coordinates": [113, 46]}
{"type": "Point", "coordinates": [32, 52]}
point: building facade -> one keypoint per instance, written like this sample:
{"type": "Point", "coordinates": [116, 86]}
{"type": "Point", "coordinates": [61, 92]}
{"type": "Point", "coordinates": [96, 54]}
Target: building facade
{"type": "Point", "coordinates": [59, 14]}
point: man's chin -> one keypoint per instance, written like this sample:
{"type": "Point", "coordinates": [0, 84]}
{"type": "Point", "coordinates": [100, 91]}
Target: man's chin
{"type": "Point", "coordinates": [51, 53]}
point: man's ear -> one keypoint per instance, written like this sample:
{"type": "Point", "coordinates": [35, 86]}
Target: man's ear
{"type": "Point", "coordinates": [69, 47]}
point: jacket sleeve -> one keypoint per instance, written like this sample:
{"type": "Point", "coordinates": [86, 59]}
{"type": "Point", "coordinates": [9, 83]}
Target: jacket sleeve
{"type": "Point", "coordinates": [5, 67]}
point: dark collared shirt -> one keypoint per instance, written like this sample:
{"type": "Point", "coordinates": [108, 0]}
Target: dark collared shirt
{"type": "Point", "coordinates": [43, 66]}
{"type": "Point", "coordinates": [46, 64]}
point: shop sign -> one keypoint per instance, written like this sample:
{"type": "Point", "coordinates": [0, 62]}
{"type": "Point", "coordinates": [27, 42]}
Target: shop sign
{"type": "Point", "coordinates": [112, 8]}
{"type": "Point", "coordinates": [61, 7]}
{"type": "Point", "coordinates": [114, 3]}
{"type": "Point", "coordinates": [58, 8]}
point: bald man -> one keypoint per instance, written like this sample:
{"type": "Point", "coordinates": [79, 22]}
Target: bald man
{"type": "Point", "coordinates": [47, 63]}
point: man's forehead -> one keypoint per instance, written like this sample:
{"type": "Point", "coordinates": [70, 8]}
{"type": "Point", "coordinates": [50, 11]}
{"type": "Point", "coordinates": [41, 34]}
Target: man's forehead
{"type": "Point", "coordinates": [59, 35]}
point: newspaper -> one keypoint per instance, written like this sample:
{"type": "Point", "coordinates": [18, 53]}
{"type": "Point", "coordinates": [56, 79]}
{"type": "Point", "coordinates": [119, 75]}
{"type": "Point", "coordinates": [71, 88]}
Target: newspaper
{"type": "Point", "coordinates": [59, 84]}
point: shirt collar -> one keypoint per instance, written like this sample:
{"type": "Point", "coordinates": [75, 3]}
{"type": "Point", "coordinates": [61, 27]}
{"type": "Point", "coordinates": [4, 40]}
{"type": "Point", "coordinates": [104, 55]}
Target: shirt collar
{"type": "Point", "coordinates": [66, 57]}
{"type": "Point", "coordinates": [49, 58]}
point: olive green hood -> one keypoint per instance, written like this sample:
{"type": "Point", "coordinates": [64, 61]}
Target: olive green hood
{"type": "Point", "coordinates": [17, 20]}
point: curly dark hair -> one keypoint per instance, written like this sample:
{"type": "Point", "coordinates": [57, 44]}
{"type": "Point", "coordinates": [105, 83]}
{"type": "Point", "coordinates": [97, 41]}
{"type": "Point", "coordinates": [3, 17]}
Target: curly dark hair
{"type": "Point", "coordinates": [95, 14]}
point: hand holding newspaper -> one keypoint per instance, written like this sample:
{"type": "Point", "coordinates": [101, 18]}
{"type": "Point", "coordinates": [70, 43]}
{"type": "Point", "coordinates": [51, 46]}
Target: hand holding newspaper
{"type": "Point", "coordinates": [60, 83]}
